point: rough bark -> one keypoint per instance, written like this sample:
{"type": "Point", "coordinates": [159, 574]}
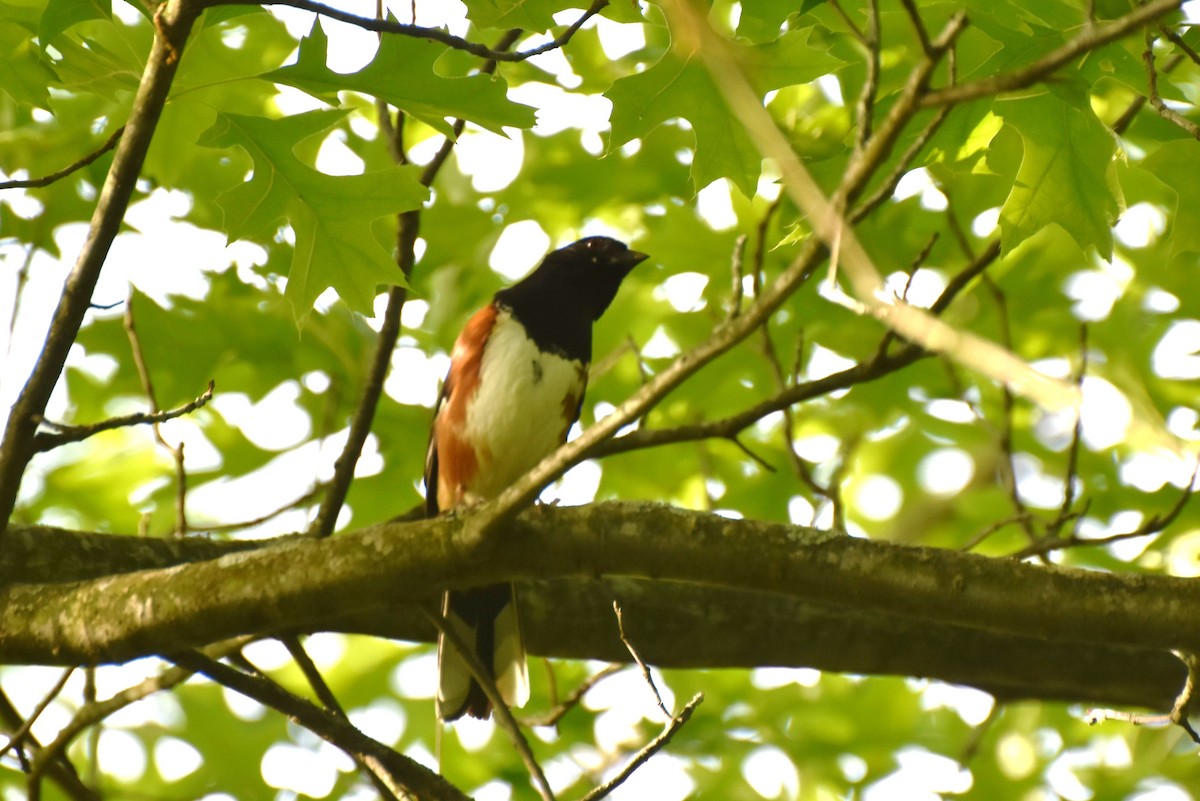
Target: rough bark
{"type": "Point", "coordinates": [698, 591]}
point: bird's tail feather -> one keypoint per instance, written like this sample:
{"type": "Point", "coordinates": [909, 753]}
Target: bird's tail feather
{"type": "Point", "coordinates": [485, 620]}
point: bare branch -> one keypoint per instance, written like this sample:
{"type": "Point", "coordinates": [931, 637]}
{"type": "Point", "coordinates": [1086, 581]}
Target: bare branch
{"type": "Point", "coordinates": [1065, 513]}
{"type": "Point", "coordinates": [880, 366]}
{"type": "Point", "coordinates": [1166, 112]}
{"type": "Point", "coordinates": [94, 712]}
{"type": "Point", "coordinates": [64, 433]}
{"type": "Point", "coordinates": [1178, 41]}
{"type": "Point", "coordinates": [910, 8]}
{"type": "Point", "coordinates": [638, 659]}
{"type": "Point", "coordinates": [1021, 513]}
{"type": "Point", "coordinates": [389, 330]}
{"type": "Point", "coordinates": [500, 711]}
{"type": "Point", "coordinates": [865, 107]}
{"type": "Point", "coordinates": [1090, 38]}
{"type": "Point", "coordinates": [46, 180]}
{"type": "Point", "coordinates": [317, 682]}
{"type": "Point", "coordinates": [1179, 711]}
{"type": "Point", "coordinates": [432, 34]}
{"type": "Point", "coordinates": [176, 451]}
{"type": "Point", "coordinates": [258, 521]}
{"type": "Point", "coordinates": [854, 29]}
{"type": "Point", "coordinates": [736, 272]}
{"type": "Point", "coordinates": [1186, 697]}
{"type": "Point", "coordinates": [1154, 525]}
{"type": "Point", "coordinates": [652, 748]}
{"type": "Point", "coordinates": [403, 774]}
{"type": "Point", "coordinates": [173, 24]}
{"type": "Point", "coordinates": [17, 735]}
{"type": "Point", "coordinates": [573, 700]}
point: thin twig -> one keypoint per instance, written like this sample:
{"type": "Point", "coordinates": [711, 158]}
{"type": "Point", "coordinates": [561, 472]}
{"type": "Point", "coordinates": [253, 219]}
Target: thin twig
{"type": "Point", "coordinates": [918, 24]}
{"type": "Point", "coordinates": [866, 98]}
{"type": "Point", "coordinates": [500, 711]}
{"type": "Point", "coordinates": [1008, 403]}
{"type": "Point", "coordinates": [858, 374]}
{"type": "Point", "coordinates": [1154, 525]}
{"type": "Point", "coordinates": [992, 528]}
{"type": "Point", "coordinates": [1183, 701]}
{"type": "Point", "coordinates": [258, 521]}
{"type": "Point", "coordinates": [313, 676]}
{"type": "Point", "coordinates": [1072, 470]}
{"type": "Point", "coordinates": [18, 292]}
{"type": "Point", "coordinates": [1090, 38]}
{"type": "Point", "coordinates": [1166, 112]}
{"type": "Point", "coordinates": [638, 659]}
{"type": "Point", "coordinates": [736, 291]}
{"type": "Point", "coordinates": [1178, 41]}
{"type": "Point", "coordinates": [176, 451]}
{"type": "Point", "coordinates": [91, 714]}
{"type": "Point", "coordinates": [560, 710]}
{"type": "Point", "coordinates": [1179, 710]}
{"type": "Point", "coordinates": [432, 34]}
{"type": "Point", "coordinates": [389, 330]}
{"type": "Point", "coordinates": [653, 747]}
{"type": "Point", "coordinates": [975, 738]}
{"type": "Point", "coordinates": [173, 23]}
{"type": "Point", "coordinates": [854, 29]}
{"type": "Point", "coordinates": [46, 180]}
{"type": "Point", "coordinates": [64, 433]}
{"type": "Point", "coordinates": [403, 775]}
{"type": "Point", "coordinates": [15, 737]}
{"type": "Point", "coordinates": [317, 682]}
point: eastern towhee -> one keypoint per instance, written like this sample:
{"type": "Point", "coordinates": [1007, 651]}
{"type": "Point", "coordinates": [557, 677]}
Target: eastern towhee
{"type": "Point", "coordinates": [515, 386]}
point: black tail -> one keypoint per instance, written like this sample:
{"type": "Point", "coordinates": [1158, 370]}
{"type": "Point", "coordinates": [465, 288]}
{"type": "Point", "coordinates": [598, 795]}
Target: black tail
{"type": "Point", "coordinates": [485, 620]}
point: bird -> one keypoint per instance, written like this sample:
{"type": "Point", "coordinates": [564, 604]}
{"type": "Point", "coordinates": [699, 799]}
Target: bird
{"type": "Point", "coordinates": [515, 387]}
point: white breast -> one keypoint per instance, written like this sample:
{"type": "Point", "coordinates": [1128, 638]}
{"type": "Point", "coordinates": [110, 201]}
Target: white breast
{"type": "Point", "coordinates": [516, 417]}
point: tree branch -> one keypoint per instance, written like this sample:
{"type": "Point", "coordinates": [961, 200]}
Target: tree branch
{"type": "Point", "coordinates": [432, 34]}
{"type": "Point", "coordinates": [63, 433]}
{"type": "Point", "coordinates": [881, 365]}
{"type": "Point", "coordinates": [173, 24]}
{"type": "Point", "coordinates": [406, 774]}
{"type": "Point", "coordinates": [46, 180]}
{"type": "Point", "coordinates": [389, 331]}
{"type": "Point", "coordinates": [653, 747]}
{"type": "Point", "coordinates": [1089, 39]}
{"type": "Point", "coordinates": [1166, 112]}
{"type": "Point", "coordinates": [1015, 629]}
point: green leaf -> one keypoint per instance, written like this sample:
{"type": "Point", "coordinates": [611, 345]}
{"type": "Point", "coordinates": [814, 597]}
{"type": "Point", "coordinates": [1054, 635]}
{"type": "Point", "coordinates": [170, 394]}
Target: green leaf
{"type": "Point", "coordinates": [1175, 165]}
{"type": "Point", "coordinates": [62, 14]}
{"type": "Point", "coordinates": [331, 215]}
{"type": "Point", "coordinates": [402, 73]}
{"type": "Point", "coordinates": [107, 62]}
{"type": "Point", "coordinates": [679, 85]}
{"type": "Point", "coordinates": [1065, 174]}
{"type": "Point", "coordinates": [23, 75]}
{"type": "Point", "coordinates": [528, 15]}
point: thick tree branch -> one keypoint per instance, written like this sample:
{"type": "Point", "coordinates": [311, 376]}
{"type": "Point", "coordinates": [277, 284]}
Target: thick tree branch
{"type": "Point", "coordinates": [173, 23]}
{"type": "Point", "coordinates": [1016, 629]}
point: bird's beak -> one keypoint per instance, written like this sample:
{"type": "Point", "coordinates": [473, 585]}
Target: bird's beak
{"type": "Point", "coordinates": [631, 259]}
